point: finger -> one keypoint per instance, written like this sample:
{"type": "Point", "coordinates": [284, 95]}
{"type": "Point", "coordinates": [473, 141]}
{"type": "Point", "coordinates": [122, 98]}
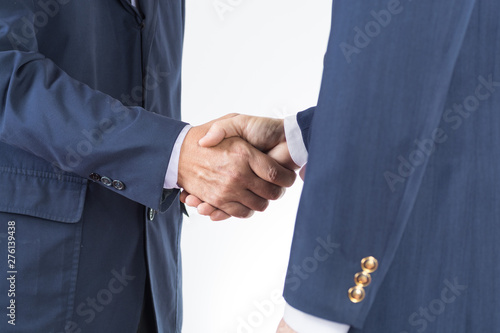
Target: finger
{"type": "Point", "coordinates": [236, 209]}
{"type": "Point", "coordinates": [193, 201]}
{"type": "Point", "coordinates": [206, 209]}
{"type": "Point", "coordinates": [240, 204]}
{"type": "Point", "coordinates": [240, 200]}
{"type": "Point", "coordinates": [270, 170]}
{"type": "Point", "coordinates": [219, 215]}
{"type": "Point", "coordinates": [281, 154]}
{"type": "Point", "coordinates": [183, 196]}
{"type": "Point", "coordinates": [248, 199]}
{"type": "Point", "coordinates": [222, 129]}
{"type": "Point", "coordinates": [265, 189]}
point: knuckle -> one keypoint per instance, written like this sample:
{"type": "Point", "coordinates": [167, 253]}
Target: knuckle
{"type": "Point", "coordinates": [235, 176]}
{"type": "Point", "coordinates": [242, 212]}
{"type": "Point", "coordinates": [225, 190]}
{"type": "Point", "coordinates": [218, 201]}
{"type": "Point", "coordinates": [218, 125]}
{"type": "Point", "coordinates": [272, 173]}
{"type": "Point", "coordinates": [215, 127]}
{"type": "Point", "coordinates": [241, 150]}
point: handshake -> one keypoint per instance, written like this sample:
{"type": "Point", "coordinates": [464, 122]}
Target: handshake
{"type": "Point", "coordinates": [234, 165]}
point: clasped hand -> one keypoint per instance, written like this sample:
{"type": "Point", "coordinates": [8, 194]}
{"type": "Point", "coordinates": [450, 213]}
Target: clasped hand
{"type": "Point", "coordinates": [234, 165]}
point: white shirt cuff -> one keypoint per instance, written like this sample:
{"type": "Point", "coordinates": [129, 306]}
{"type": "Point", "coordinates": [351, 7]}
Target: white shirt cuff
{"type": "Point", "coordinates": [173, 164]}
{"type": "Point", "coordinates": [295, 142]}
{"type": "Point", "coordinates": [305, 323]}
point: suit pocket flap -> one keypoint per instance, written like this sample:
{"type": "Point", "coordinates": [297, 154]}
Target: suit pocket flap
{"type": "Point", "coordinates": [57, 197]}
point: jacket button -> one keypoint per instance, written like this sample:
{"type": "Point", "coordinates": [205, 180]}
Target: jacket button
{"type": "Point", "coordinates": [106, 181]}
{"type": "Point", "coordinates": [356, 294]}
{"type": "Point", "coordinates": [95, 177]}
{"type": "Point", "coordinates": [369, 264]}
{"type": "Point", "coordinates": [151, 214]}
{"type": "Point", "coordinates": [362, 279]}
{"type": "Point", "coordinates": [118, 185]}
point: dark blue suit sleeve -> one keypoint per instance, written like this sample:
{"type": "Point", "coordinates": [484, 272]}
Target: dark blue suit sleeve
{"type": "Point", "coordinates": [382, 90]}
{"type": "Point", "coordinates": [45, 111]}
{"type": "Point", "coordinates": [304, 119]}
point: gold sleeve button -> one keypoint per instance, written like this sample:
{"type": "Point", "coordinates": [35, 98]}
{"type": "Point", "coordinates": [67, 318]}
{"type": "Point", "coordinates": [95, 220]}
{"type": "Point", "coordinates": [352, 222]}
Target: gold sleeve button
{"type": "Point", "coordinates": [369, 264]}
{"type": "Point", "coordinates": [356, 294]}
{"type": "Point", "coordinates": [362, 279]}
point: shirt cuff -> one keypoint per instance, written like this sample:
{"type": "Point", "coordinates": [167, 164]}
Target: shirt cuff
{"type": "Point", "coordinates": [295, 142]}
{"type": "Point", "coordinates": [305, 323]}
{"type": "Point", "coordinates": [173, 164]}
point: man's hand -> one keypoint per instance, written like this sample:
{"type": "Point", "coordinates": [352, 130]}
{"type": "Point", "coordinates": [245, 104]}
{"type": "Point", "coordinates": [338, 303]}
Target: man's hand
{"type": "Point", "coordinates": [284, 328]}
{"type": "Point", "coordinates": [233, 176]}
{"type": "Point", "coordinates": [266, 134]}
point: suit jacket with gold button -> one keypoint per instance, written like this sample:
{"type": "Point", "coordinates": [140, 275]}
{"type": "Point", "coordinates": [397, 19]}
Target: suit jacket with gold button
{"type": "Point", "coordinates": [403, 169]}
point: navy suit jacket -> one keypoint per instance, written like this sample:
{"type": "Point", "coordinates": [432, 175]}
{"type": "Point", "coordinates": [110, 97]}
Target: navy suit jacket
{"type": "Point", "coordinates": [89, 97]}
{"type": "Point", "coordinates": [404, 160]}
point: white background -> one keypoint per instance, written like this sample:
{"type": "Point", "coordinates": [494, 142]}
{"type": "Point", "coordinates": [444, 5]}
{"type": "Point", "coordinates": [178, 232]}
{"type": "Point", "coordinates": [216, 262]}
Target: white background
{"type": "Point", "coordinates": [259, 57]}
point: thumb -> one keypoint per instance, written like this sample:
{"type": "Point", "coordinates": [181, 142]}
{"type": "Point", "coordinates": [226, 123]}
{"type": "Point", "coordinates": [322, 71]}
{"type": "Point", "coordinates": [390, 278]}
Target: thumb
{"type": "Point", "coordinates": [221, 130]}
{"type": "Point", "coordinates": [213, 137]}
